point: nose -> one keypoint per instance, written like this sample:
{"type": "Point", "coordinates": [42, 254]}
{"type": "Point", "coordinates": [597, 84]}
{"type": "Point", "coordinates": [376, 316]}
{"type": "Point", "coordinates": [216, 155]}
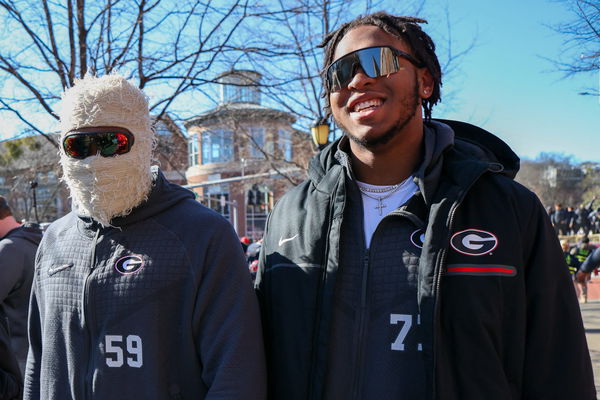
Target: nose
{"type": "Point", "coordinates": [360, 80]}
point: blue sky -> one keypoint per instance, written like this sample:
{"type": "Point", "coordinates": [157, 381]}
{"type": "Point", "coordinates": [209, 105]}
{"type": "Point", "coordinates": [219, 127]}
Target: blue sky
{"type": "Point", "coordinates": [506, 86]}
{"type": "Point", "coordinates": [503, 83]}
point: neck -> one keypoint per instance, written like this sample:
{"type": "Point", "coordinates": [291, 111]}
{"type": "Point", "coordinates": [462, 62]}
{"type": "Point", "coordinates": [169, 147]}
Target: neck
{"type": "Point", "coordinates": [8, 224]}
{"type": "Point", "coordinates": [390, 163]}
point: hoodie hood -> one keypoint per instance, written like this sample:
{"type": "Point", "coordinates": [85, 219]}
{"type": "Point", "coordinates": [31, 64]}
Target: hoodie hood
{"type": "Point", "coordinates": [471, 142]}
{"type": "Point", "coordinates": [163, 195]}
{"type": "Point", "coordinates": [29, 231]}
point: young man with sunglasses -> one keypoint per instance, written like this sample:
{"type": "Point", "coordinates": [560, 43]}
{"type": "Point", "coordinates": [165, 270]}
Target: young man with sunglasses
{"type": "Point", "coordinates": [140, 292]}
{"type": "Point", "coordinates": [410, 265]}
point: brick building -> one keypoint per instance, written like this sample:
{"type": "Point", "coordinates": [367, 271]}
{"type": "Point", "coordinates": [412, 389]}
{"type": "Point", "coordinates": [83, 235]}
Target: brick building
{"type": "Point", "coordinates": [237, 140]}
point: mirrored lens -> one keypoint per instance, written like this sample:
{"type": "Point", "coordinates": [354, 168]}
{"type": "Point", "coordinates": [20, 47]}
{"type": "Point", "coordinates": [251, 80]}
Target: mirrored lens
{"type": "Point", "coordinates": [79, 146]}
{"type": "Point", "coordinates": [374, 62]}
{"type": "Point", "coordinates": [108, 144]}
{"type": "Point", "coordinates": [388, 62]}
{"type": "Point", "coordinates": [369, 61]}
{"type": "Point", "coordinates": [340, 73]}
{"type": "Point", "coordinates": [112, 144]}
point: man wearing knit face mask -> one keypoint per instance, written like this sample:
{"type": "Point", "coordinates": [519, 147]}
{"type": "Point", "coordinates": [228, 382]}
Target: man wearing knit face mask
{"type": "Point", "coordinates": [137, 292]}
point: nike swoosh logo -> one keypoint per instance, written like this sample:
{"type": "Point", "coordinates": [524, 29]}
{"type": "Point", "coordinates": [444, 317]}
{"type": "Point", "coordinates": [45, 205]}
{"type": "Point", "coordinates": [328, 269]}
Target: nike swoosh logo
{"type": "Point", "coordinates": [54, 270]}
{"type": "Point", "coordinates": [282, 240]}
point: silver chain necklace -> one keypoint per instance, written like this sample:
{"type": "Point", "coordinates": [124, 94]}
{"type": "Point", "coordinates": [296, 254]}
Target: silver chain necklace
{"type": "Point", "coordinates": [376, 190]}
{"type": "Point", "coordinates": [380, 204]}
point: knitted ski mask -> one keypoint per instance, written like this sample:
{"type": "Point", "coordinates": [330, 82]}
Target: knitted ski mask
{"type": "Point", "coordinates": [107, 187]}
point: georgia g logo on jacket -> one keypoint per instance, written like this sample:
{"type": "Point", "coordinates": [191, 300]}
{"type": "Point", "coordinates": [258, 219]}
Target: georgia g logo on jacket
{"type": "Point", "coordinates": [474, 242]}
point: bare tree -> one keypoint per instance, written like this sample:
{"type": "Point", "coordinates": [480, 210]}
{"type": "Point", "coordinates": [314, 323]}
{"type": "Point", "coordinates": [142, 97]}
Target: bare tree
{"type": "Point", "coordinates": [290, 73]}
{"type": "Point", "coordinates": [31, 164]}
{"type": "Point", "coordinates": [581, 45]}
{"type": "Point", "coordinates": [555, 178]}
{"type": "Point", "coordinates": [166, 46]}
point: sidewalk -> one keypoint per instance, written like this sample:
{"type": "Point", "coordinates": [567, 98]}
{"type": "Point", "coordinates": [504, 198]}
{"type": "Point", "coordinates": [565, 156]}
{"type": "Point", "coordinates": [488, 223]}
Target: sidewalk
{"type": "Point", "coordinates": [594, 288]}
{"type": "Point", "coordinates": [591, 321]}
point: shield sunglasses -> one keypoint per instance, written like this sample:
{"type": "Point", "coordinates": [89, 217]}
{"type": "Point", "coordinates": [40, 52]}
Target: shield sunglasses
{"type": "Point", "coordinates": [373, 61]}
{"type": "Point", "coordinates": [108, 142]}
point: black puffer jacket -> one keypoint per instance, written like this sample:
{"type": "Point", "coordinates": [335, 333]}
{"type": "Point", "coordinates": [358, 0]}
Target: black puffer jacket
{"type": "Point", "coordinates": [496, 301]}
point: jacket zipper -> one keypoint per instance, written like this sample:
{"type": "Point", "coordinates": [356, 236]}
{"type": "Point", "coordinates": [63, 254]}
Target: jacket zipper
{"type": "Point", "coordinates": [438, 276]}
{"type": "Point", "coordinates": [88, 319]}
{"type": "Point", "coordinates": [361, 328]}
{"type": "Point", "coordinates": [313, 373]}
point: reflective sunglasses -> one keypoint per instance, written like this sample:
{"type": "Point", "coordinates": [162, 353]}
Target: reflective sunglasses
{"type": "Point", "coordinates": [373, 61]}
{"type": "Point", "coordinates": [108, 142]}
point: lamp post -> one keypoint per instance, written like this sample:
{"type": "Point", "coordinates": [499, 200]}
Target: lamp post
{"type": "Point", "coordinates": [33, 184]}
{"type": "Point", "coordinates": [320, 133]}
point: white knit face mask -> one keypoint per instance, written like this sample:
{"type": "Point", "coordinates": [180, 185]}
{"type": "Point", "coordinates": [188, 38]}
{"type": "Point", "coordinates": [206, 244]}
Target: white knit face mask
{"type": "Point", "coordinates": [107, 187]}
{"type": "Point", "coordinates": [104, 188]}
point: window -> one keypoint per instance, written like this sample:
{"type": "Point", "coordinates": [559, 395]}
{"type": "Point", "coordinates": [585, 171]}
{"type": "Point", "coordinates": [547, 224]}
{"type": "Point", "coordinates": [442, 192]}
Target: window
{"type": "Point", "coordinates": [216, 196]}
{"type": "Point", "coordinates": [161, 128]}
{"type": "Point", "coordinates": [217, 146]}
{"type": "Point", "coordinates": [52, 178]}
{"type": "Point", "coordinates": [218, 202]}
{"type": "Point", "coordinates": [256, 142]}
{"type": "Point", "coordinates": [241, 94]}
{"type": "Point", "coordinates": [47, 202]}
{"type": "Point", "coordinates": [285, 144]}
{"type": "Point", "coordinates": [259, 201]}
{"type": "Point", "coordinates": [193, 150]}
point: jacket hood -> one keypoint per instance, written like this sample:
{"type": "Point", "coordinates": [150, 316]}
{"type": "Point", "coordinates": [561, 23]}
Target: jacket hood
{"type": "Point", "coordinates": [479, 143]}
{"type": "Point", "coordinates": [469, 140]}
{"type": "Point", "coordinates": [163, 195]}
{"type": "Point", "coordinates": [29, 231]}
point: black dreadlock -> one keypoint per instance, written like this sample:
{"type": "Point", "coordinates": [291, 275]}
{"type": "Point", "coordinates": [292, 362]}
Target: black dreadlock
{"type": "Point", "coordinates": [405, 29]}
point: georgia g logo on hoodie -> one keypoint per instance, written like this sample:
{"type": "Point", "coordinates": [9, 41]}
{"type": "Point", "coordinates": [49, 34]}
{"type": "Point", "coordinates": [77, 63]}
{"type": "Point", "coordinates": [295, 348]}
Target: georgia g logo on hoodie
{"type": "Point", "coordinates": [129, 264]}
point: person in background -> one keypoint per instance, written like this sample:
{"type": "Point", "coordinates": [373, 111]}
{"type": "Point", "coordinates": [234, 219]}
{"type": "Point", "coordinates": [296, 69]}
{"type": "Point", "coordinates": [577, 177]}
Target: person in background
{"type": "Point", "coordinates": [18, 244]}
{"type": "Point", "coordinates": [591, 263]}
{"type": "Point", "coordinates": [582, 221]}
{"type": "Point", "coordinates": [573, 264]}
{"type": "Point", "coordinates": [584, 249]}
{"type": "Point", "coordinates": [140, 292]}
{"type": "Point", "coordinates": [560, 220]}
{"type": "Point", "coordinates": [594, 219]}
{"type": "Point", "coordinates": [571, 221]}
{"type": "Point", "coordinates": [245, 242]}
{"type": "Point", "coordinates": [410, 264]}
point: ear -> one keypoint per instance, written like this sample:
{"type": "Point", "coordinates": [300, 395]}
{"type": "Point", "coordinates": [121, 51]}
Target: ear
{"type": "Point", "coordinates": [425, 83]}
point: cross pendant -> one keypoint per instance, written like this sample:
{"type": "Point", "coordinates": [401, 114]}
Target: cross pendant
{"type": "Point", "coordinates": [380, 206]}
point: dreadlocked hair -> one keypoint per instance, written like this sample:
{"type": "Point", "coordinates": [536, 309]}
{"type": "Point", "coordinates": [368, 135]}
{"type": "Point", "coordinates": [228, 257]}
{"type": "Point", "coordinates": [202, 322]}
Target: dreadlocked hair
{"type": "Point", "coordinates": [403, 28]}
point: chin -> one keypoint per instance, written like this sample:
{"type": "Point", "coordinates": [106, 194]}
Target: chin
{"type": "Point", "coordinates": [368, 140]}
{"type": "Point", "coordinates": [373, 139]}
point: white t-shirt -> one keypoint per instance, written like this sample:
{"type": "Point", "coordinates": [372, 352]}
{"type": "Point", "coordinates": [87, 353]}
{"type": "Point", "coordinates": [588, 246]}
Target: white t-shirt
{"type": "Point", "coordinates": [375, 210]}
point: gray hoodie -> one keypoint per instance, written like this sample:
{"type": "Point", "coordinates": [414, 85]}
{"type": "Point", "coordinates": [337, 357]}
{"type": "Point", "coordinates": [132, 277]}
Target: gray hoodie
{"type": "Point", "coordinates": [159, 306]}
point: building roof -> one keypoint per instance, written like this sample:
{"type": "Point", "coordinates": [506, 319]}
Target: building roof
{"type": "Point", "coordinates": [241, 111]}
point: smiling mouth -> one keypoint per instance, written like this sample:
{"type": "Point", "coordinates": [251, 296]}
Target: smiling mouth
{"type": "Point", "coordinates": [367, 105]}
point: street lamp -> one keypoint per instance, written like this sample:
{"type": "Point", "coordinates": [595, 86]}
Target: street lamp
{"type": "Point", "coordinates": [33, 184]}
{"type": "Point", "coordinates": [320, 133]}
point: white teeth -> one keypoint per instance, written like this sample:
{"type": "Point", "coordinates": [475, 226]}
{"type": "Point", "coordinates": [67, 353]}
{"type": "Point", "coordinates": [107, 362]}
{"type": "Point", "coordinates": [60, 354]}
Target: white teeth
{"type": "Point", "coordinates": [366, 104]}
